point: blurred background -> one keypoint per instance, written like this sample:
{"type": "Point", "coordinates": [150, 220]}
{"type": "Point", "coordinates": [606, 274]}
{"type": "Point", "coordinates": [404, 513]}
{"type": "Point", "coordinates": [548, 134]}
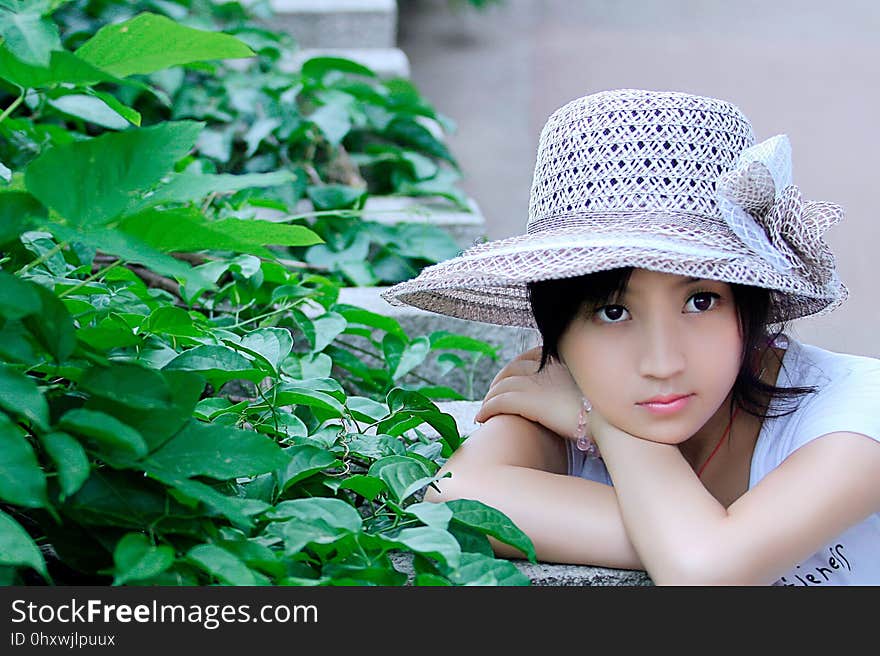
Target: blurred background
{"type": "Point", "coordinates": [806, 68]}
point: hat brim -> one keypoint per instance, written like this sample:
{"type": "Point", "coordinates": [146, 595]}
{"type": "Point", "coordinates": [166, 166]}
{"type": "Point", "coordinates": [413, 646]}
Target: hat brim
{"type": "Point", "coordinates": [488, 282]}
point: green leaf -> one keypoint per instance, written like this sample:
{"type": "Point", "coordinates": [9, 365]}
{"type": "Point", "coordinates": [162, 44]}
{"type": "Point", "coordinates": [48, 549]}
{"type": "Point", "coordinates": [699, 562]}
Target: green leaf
{"type": "Point", "coordinates": [402, 357]}
{"type": "Point", "coordinates": [21, 479]}
{"type": "Point", "coordinates": [128, 384]}
{"type": "Point", "coordinates": [366, 409]}
{"type": "Point", "coordinates": [471, 540]}
{"type": "Point", "coordinates": [403, 475]}
{"type": "Point", "coordinates": [237, 509]}
{"type": "Point", "coordinates": [355, 315]}
{"type": "Point", "coordinates": [27, 34]}
{"type": "Point", "coordinates": [64, 68]}
{"type": "Point", "coordinates": [305, 460]}
{"type": "Point", "coordinates": [93, 181]}
{"type": "Point", "coordinates": [369, 487]}
{"type": "Point", "coordinates": [406, 404]}
{"type": "Point", "coordinates": [326, 328]}
{"type": "Point", "coordinates": [136, 559]}
{"type": "Point", "coordinates": [375, 446]}
{"type": "Point", "coordinates": [189, 186]}
{"type": "Point", "coordinates": [478, 569]}
{"type": "Point", "coordinates": [149, 42]}
{"type": "Point", "coordinates": [336, 197]}
{"type": "Point", "coordinates": [430, 541]}
{"type": "Point", "coordinates": [274, 344]}
{"type": "Point", "coordinates": [224, 566]}
{"type": "Point", "coordinates": [104, 430]}
{"type": "Point", "coordinates": [334, 121]}
{"type": "Point", "coordinates": [295, 394]}
{"type": "Point", "coordinates": [317, 67]}
{"type": "Point", "coordinates": [131, 249]}
{"type": "Point", "coordinates": [424, 241]}
{"type": "Point", "coordinates": [18, 212]}
{"type": "Point", "coordinates": [20, 298]}
{"type": "Point", "coordinates": [320, 520]}
{"type": "Point", "coordinates": [185, 229]}
{"type": "Point", "coordinates": [442, 339]}
{"type": "Point", "coordinates": [490, 521]}
{"type": "Point", "coordinates": [173, 321]}
{"type": "Point", "coordinates": [126, 112]}
{"type": "Point", "coordinates": [70, 461]}
{"type": "Point", "coordinates": [218, 364]}
{"type": "Point", "coordinates": [427, 579]}
{"type": "Point", "coordinates": [437, 515]}
{"type": "Point", "coordinates": [89, 109]}
{"type": "Point", "coordinates": [157, 424]}
{"type": "Point", "coordinates": [124, 499]}
{"type": "Point", "coordinates": [52, 327]}
{"type": "Point", "coordinates": [17, 548]}
{"type": "Point", "coordinates": [220, 452]}
{"type": "Point", "coordinates": [19, 395]}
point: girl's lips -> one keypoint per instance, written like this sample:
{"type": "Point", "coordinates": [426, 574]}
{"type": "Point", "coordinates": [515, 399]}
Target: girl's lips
{"type": "Point", "coordinates": [667, 408]}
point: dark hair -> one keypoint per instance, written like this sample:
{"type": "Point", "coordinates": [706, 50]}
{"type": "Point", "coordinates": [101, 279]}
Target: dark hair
{"type": "Point", "coordinates": [556, 302]}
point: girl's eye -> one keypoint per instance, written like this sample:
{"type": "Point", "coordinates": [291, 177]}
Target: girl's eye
{"type": "Point", "coordinates": [697, 304]}
{"type": "Point", "coordinates": [614, 313]}
{"type": "Point", "coordinates": [703, 301]}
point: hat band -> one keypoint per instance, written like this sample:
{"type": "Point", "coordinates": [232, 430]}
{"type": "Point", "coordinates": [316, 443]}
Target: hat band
{"type": "Point", "coordinates": [599, 240]}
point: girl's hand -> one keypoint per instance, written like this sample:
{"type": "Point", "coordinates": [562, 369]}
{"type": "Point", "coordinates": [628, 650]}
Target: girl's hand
{"type": "Point", "coordinates": [550, 398]}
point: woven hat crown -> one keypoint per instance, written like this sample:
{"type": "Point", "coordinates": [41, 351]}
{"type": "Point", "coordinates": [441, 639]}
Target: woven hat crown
{"type": "Point", "coordinates": [660, 180]}
{"type": "Point", "coordinates": [594, 152]}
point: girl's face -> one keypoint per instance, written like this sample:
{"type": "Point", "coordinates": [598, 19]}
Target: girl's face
{"type": "Point", "coordinates": [668, 335]}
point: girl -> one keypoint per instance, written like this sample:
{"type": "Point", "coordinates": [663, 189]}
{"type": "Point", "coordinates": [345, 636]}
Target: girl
{"type": "Point", "coordinates": [667, 422]}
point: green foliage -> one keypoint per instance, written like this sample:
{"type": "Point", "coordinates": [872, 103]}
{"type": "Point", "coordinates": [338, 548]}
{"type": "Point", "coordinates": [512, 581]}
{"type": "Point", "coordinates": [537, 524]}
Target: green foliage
{"type": "Point", "coordinates": [179, 402]}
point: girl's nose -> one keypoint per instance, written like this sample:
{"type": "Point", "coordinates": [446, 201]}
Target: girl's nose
{"type": "Point", "coordinates": [662, 355]}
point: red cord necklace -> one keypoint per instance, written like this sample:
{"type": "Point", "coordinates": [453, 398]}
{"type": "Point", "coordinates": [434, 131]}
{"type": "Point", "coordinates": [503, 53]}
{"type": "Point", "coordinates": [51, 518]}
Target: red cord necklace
{"type": "Point", "coordinates": [720, 442]}
{"type": "Point", "coordinates": [726, 431]}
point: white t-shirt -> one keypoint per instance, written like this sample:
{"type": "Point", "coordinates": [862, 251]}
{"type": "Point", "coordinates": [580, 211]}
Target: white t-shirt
{"type": "Point", "coordinates": [847, 399]}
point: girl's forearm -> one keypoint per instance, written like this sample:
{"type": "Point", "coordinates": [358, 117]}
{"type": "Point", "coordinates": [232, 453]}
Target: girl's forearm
{"type": "Point", "coordinates": [569, 519]}
{"type": "Point", "coordinates": [669, 515]}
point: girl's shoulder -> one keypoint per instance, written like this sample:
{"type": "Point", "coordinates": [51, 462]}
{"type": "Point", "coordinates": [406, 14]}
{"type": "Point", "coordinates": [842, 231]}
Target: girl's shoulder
{"type": "Point", "coordinates": [846, 397]}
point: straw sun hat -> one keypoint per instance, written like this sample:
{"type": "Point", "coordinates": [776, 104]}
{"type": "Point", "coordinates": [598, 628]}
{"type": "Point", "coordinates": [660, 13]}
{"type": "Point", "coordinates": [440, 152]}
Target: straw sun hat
{"type": "Point", "coordinates": [664, 181]}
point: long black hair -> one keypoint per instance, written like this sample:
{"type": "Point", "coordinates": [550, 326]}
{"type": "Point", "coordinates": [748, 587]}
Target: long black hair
{"type": "Point", "coordinates": [556, 302]}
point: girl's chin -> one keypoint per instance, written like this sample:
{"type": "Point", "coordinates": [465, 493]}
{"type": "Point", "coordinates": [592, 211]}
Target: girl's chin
{"type": "Point", "coordinates": [663, 435]}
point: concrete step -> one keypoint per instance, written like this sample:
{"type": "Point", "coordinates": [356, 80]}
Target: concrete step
{"type": "Point", "coordinates": [384, 62]}
{"type": "Point", "coordinates": [510, 341]}
{"type": "Point", "coordinates": [465, 228]}
{"type": "Point", "coordinates": [553, 574]}
{"type": "Point", "coordinates": [337, 23]}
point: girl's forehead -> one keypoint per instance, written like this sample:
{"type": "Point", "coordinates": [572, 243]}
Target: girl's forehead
{"type": "Point", "coordinates": [647, 278]}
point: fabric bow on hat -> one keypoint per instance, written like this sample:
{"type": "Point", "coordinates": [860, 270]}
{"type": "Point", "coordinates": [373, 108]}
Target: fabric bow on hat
{"type": "Point", "coordinates": [765, 210]}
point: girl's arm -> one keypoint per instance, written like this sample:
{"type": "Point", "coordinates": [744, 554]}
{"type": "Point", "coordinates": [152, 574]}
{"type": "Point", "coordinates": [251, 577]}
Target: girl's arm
{"type": "Point", "coordinates": [685, 537]}
{"type": "Point", "coordinates": [519, 467]}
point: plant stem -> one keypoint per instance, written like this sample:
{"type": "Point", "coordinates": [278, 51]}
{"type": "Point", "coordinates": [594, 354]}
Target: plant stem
{"type": "Point", "coordinates": [96, 274]}
{"type": "Point", "coordinates": [12, 107]}
{"type": "Point", "coordinates": [45, 256]}
{"type": "Point", "coordinates": [260, 316]}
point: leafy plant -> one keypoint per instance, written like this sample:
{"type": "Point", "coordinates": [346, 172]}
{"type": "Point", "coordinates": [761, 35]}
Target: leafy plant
{"type": "Point", "coordinates": [168, 413]}
{"type": "Point", "coordinates": [333, 124]}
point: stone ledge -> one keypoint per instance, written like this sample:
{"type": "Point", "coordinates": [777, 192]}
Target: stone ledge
{"type": "Point", "coordinates": [384, 62]}
{"type": "Point", "coordinates": [337, 23]}
{"type": "Point", "coordinates": [465, 227]}
{"type": "Point", "coordinates": [553, 574]}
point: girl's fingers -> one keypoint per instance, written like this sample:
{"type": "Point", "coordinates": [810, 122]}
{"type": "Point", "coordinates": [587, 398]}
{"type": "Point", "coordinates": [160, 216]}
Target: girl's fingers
{"type": "Point", "coordinates": [516, 367]}
{"type": "Point", "coordinates": [510, 402]}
